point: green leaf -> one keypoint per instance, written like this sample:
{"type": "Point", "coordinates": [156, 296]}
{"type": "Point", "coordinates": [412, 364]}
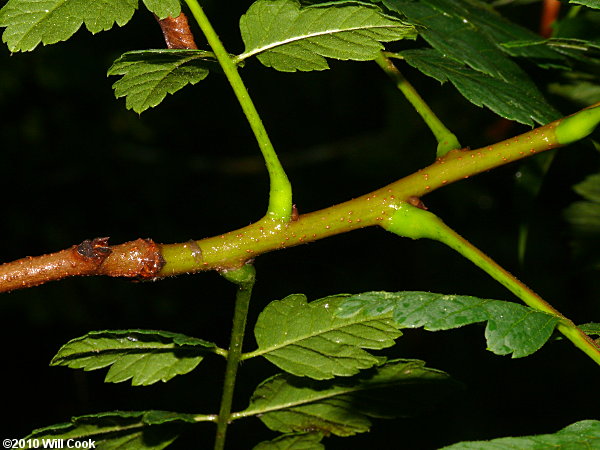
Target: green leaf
{"type": "Point", "coordinates": [149, 75]}
{"type": "Point", "coordinates": [580, 435]}
{"type": "Point", "coordinates": [308, 339]}
{"type": "Point", "coordinates": [591, 329]}
{"type": "Point", "coordinates": [143, 356]}
{"type": "Point", "coordinates": [31, 22]}
{"type": "Point", "coordinates": [294, 441]}
{"type": "Point", "coordinates": [470, 32]}
{"type": "Point", "coordinates": [565, 43]}
{"type": "Point", "coordinates": [288, 37]}
{"type": "Point", "coordinates": [342, 407]}
{"type": "Point", "coordinates": [590, 3]}
{"type": "Point", "coordinates": [512, 101]}
{"type": "Point", "coordinates": [511, 328]}
{"type": "Point", "coordinates": [164, 8]}
{"type": "Point", "coordinates": [124, 430]}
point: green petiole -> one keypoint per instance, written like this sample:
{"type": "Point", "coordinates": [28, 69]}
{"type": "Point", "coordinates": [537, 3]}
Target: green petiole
{"type": "Point", "coordinates": [415, 223]}
{"type": "Point", "coordinates": [280, 192]}
{"type": "Point", "coordinates": [447, 141]}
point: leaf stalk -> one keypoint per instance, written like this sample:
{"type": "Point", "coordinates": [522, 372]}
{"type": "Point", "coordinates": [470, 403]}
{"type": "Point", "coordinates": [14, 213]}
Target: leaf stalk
{"type": "Point", "coordinates": [280, 192]}
{"type": "Point", "coordinates": [447, 141]}
{"type": "Point", "coordinates": [415, 223]}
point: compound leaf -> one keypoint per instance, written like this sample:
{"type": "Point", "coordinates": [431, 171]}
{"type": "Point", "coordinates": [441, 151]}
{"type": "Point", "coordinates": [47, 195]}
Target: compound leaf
{"type": "Point", "coordinates": [288, 37]}
{"type": "Point", "coordinates": [342, 407]}
{"type": "Point", "coordinates": [118, 430]}
{"type": "Point", "coordinates": [149, 75]}
{"type": "Point", "coordinates": [293, 441]}
{"type": "Point", "coordinates": [583, 434]}
{"type": "Point", "coordinates": [511, 328]}
{"type": "Point", "coordinates": [143, 356]}
{"type": "Point", "coordinates": [308, 339]}
{"type": "Point", "coordinates": [518, 102]}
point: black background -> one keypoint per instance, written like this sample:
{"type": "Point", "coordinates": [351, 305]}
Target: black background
{"type": "Point", "coordinates": [75, 164]}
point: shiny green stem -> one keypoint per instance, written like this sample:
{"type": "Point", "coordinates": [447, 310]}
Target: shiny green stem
{"type": "Point", "coordinates": [280, 193]}
{"type": "Point", "coordinates": [415, 223]}
{"type": "Point", "coordinates": [244, 278]}
{"type": "Point", "coordinates": [447, 141]}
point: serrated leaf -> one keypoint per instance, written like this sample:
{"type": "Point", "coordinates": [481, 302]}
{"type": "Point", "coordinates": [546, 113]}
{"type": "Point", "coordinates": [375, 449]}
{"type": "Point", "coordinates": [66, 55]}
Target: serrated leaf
{"type": "Point", "coordinates": [307, 339]}
{"type": "Point", "coordinates": [143, 356]}
{"type": "Point", "coordinates": [589, 3]}
{"type": "Point", "coordinates": [288, 37]}
{"type": "Point", "coordinates": [512, 101]}
{"type": "Point", "coordinates": [294, 441]}
{"type": "Point", "coordinates": [580, 435]}
{"type": "Point", "coordinates": [119, 430]}
{"type": "Point", "coordinates": [149, 75]}
{"type": "Point", "coordinates": [511, 328]}
{"type": "Point", "coordinates": [342, 407]}
{"type": "Point", "coordinates": [470, 32]}
{"type": "Point", "coordinates": [31, 22]}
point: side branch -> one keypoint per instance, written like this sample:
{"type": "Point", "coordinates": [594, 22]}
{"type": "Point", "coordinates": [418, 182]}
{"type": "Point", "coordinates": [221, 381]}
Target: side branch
{"type": "Point", "coordinates": [145, 259]}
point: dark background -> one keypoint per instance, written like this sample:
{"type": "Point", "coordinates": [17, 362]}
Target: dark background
{"type": "Point", "coordinates": [75, 164]}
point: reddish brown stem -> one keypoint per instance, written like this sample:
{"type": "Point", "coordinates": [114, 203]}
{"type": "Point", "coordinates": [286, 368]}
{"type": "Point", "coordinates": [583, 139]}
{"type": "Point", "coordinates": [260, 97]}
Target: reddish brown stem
{"type": "Point", "coordinates": [550, 12]}
{"type": "Point", "coordinates": [136, 259]}
{"type": "Point", "coordinates": [177, 33]}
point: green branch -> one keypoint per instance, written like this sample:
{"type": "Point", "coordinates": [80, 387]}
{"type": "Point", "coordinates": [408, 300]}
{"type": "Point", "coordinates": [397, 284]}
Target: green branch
{"type": "Point", "coordinates": [244, 278]}
{"type": "Point", "coordinates": [280, 194]}
{"type": "Point", "coordinates": [447, 141]}
{"type": "Point", "coordinates": [233, 249]}
{"type": "Point", "coordinates": [415, 223]}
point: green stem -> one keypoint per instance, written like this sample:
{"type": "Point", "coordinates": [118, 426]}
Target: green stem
{"type": "Point", "coordinates": [244, 278]}
{"type": "Point", "coordinates": [233, 249]}
{"type": "Point", "coordinates": [410, 221]}
{"type": "Point", "coordinates": [447, 141]}
{"type": "Point", "coordinates": [280, 194]}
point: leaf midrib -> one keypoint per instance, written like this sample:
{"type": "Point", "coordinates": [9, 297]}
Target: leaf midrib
{"type": "Point", "coordinates": [316, 333]}
{"type": "Point", "coordinates": [247, 54]}
{"type": "Point", "coordinates": [335, 393]}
